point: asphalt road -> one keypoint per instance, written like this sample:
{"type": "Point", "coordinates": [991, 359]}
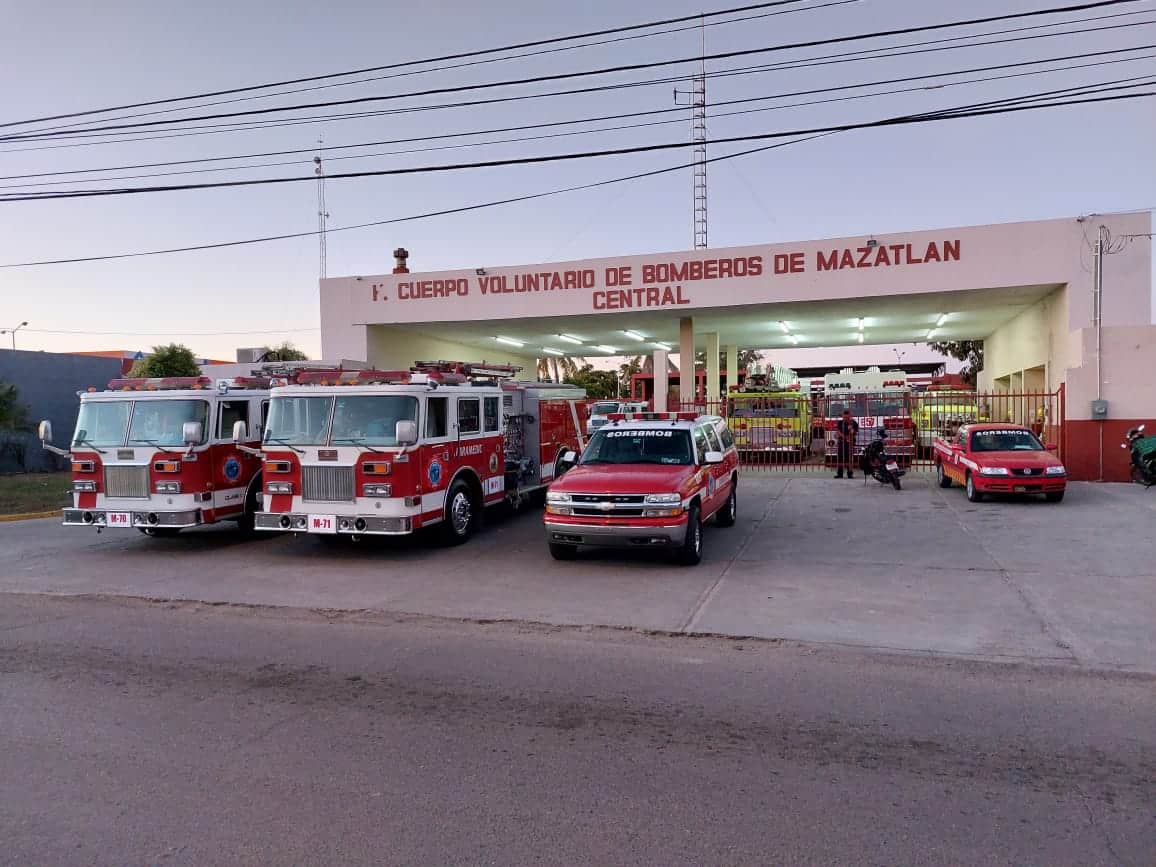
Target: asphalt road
{"type": "Point", "coordinates": [183, 733]}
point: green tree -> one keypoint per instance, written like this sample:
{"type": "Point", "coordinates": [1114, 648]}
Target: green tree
{"type": "Point", "coordinates": [558, 367]}
{"type": "Point", "coordinates": [970, 351]}
{"type": "Point", "coordinates": [15, 423]}
{"type": "Point", "coordinates": [173, 359]}
{"type": "Point", "coordinates": [746, 357]}
{"type": "Point", "coordinates": [284, 352]}
{"type": "Point", "coordinates": [598, 383]}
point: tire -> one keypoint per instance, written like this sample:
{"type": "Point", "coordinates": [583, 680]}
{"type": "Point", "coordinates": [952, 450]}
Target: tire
{"type": "Point", "coordinates": [895, 482]}
{"type": "Point", "coordinates": [690, 554]}
{"type": "Point", "coordinates": [563, 552]}
{"type": "Point", "coordinates": [246, 523]}
{"type": "Point", "coordinates": [160, 532]}
{"type": "Point", "coordinates": [729, 513]}
{"type": "Point", "coordinates": [942, 477]}
{"type": "Point", "coordinates": [973, 496]}
{"type": "Point", "coordinates": [461, 514]}
{"type": "Point", "coordinates": [1054, 497]}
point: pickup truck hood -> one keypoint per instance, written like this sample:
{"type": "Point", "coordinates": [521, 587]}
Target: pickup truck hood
{"type": "Point", "coordinates": [623, 479]}
{"type": "Point", "coordinates": [1015, 460]}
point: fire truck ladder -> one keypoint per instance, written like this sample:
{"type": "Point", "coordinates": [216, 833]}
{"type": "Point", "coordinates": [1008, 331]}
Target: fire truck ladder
{"type": "Point", "coordinates": [468, 369]}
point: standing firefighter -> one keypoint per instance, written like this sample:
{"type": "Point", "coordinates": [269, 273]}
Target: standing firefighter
{"type": "Point", "coordinates": [847, 430]}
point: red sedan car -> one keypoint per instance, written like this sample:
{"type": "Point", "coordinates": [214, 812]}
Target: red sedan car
{"type": "Point", "coordinates": [999, 459]}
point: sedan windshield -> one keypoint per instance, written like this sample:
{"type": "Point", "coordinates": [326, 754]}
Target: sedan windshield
{"type": "Point", "coordinates": [1005, 441]}
{"type": "Point", "coordinates": [632, 446]}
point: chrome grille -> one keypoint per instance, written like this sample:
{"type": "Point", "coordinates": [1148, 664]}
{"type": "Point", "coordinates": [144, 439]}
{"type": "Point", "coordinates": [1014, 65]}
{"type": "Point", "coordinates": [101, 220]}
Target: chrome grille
{"type": "Point", "coordinates": [127, 482]}
{"type": "Point", "coordinates": [327, 484]}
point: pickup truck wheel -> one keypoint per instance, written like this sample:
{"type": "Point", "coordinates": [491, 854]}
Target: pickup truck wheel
{"type": "Point", "coordinates": [690, 554]}
{"type": "Point", "coordinates": [563, 552]}
{"type": "Point", "coordinates": [461, 516]}
{"type": "Point", "coordinates": [1054, 496]}
{"type": "Point", "coordinates": [729, 513]}
{"type": "Point", "coordinates": [973, 496]}
{"type": "Point", "coordinates": [942, 477]}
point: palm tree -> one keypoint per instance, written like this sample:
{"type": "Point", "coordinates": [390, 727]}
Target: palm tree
{"type": "Point", "coordinates": [559, 367]}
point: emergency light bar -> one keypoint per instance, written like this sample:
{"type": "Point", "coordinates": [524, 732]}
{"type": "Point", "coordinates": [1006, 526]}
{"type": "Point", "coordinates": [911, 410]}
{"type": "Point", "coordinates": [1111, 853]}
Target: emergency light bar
{"type": "Point", "coordinates": [653, 416]}
{"type": "Point", "coordinates": [159, 383]}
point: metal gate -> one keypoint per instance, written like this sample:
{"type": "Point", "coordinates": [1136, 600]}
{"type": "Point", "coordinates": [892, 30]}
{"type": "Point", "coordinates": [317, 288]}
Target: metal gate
{"type": "Point", "coordinates": [798, 433]}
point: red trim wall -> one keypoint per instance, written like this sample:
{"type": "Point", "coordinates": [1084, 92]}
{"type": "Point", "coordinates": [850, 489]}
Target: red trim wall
{"type": "Point", "coordinates": [1082, 449]}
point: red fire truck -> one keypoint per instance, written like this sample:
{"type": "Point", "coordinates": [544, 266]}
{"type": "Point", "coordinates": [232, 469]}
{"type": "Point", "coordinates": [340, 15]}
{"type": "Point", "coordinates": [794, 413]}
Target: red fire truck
{"type": "Point", "coordinates": [157, 454]}
{"type": "Point", "coordinates": [375, 452]}
{"type": "Point", "coordinates": [877, 399]}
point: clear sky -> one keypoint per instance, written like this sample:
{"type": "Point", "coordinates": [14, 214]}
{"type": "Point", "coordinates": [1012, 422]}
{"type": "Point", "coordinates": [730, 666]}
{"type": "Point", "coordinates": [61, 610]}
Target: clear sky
{"type": "Point", "coordinates": [67, 56]}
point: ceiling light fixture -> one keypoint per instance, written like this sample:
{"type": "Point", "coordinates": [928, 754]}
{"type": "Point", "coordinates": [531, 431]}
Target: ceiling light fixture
{"type": "Point", "coordinates": [550, 351]}
{"type": "Point", "coordinates": [860, 323]}
{"type": "Point", "coordinates": [634, 335]}
{"type": "Point", "coordinates": [607, 349]}
{"type": "Point", "coordinates": [509, 341]}
{"type": "Point", "coordinates": [942, 318]}
{"type": "Point", "coordinates": [860, 336]}
{"type": "Point", "coordinates": [930, 333]}
{"type": "Point", "coordinates": [570, 338]}
{"type": "Point", "coordinates": [786, 328]}
{"type": "Point", "coordinates": [663, 346]}
{"type": "Point", "coordinates": [795, 339]}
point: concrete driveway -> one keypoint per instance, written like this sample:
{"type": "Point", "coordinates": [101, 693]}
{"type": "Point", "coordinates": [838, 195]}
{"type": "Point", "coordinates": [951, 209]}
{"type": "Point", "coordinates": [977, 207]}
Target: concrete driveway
{"type": "Point", "coordinates": [810, 560]}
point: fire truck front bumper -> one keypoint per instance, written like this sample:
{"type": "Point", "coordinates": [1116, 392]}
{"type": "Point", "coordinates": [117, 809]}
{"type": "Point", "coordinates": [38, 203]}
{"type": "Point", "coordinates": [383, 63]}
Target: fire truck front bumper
{"type": "Point", "coordinates": [353, 525]}
{"type": "Point", "coordinates": [669, 533]}
{"type": "Point", "coordinates": [132, 519]}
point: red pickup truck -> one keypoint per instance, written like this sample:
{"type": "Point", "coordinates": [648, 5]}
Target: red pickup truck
{"type": "Point", "coordinates": [999, 459]}
{"type": "Point", "coordinates": [645, 480]}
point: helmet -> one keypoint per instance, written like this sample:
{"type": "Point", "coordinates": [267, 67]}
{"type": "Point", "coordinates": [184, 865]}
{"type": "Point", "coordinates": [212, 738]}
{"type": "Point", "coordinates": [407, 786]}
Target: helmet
{"type": "Point", "coordinates": [880, 433]}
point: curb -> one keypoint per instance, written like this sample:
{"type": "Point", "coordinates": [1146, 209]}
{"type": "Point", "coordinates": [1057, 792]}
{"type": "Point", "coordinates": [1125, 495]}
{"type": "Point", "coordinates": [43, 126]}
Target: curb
{"type": "Point", "coordinates": [29, 516]}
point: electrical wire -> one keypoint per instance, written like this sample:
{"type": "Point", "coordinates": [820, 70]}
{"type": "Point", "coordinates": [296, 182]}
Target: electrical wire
{"type": "Point", "coordinates": [562, 76]}
{"type": "Point", "coordinates": [825, 60]}
{"type": "Point", "coordinates": [555, 135]}
{"type": "Point", "coordinates": [402, 64]}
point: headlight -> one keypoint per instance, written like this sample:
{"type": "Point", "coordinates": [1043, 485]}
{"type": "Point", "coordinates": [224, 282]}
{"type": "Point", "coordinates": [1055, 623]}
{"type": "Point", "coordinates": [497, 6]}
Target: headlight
{"type": "Point", "coordinates": [279, 488]}
{"type": "Point", "coordinates": [557, 497]}
{"type": "Point", "coordinates": [1056, 471]}
{"type": "Point", "coordinates": [556, 509]}
{"type": "Point", "coordinates": [376, 491]}
{"type": "Point", "coordinates": [994, 471]}
{"type": "Point", "coordinates": [168, 487]}
{"type": "Point", "coordinates": [84, 487]}
{"type": "Point", "coordinates": [663, 499]}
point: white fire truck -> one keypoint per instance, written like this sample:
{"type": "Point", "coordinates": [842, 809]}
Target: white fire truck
{"type": "Point", "coordinates": [157, 454]}
{"type": "Point", "coordinates": [374, 452]}
{"type": "Point", "coordinates": [877, 399]}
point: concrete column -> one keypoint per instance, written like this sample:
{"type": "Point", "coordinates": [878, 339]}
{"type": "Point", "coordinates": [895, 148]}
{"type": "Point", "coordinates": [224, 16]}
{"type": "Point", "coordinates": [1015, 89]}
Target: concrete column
{"type": "Point", "coordinates": [732, 367]}
{"type": "Point", "coordinates": [661, 381]}
{"type": "Point", "coordinates": [686, 378]}
{"type": "Point", "coordinates": [712, 372]}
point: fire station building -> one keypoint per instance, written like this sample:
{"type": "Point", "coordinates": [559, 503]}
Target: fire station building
{"type": "Point", "coordinates": [1062, 306]}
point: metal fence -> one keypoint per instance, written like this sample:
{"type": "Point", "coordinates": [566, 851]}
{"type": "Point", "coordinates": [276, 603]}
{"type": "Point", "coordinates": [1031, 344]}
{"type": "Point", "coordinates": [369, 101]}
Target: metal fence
{"type": "Point", "coordinates": [798, 433]}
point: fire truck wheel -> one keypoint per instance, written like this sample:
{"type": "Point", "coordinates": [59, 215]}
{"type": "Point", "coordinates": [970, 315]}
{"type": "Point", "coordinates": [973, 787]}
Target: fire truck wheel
{"type": "Point", "coordinates": [942, 477]}
{"type": "Point", "coordinates": [729, 513]}
{"type": "Point", "coordinates": [973, 495]}
{"type": "Point", "coordinates": [563, 552]}
{"type": "Point", "coordinates": [690, 554]}
{"type": "Point", "coordinates": [246, 523]}
{"type": "Point", "coordinates": [461, 514]}
{"type": "Point", "coordinates": [160, 532]}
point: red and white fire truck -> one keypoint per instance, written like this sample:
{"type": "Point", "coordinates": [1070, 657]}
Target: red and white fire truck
{"type": "Point", "coordinates": [877, 399]}
{"type": "Point", "coordinates": [158, 455]}
{"type": "Point", "coordinates": [374, 452]}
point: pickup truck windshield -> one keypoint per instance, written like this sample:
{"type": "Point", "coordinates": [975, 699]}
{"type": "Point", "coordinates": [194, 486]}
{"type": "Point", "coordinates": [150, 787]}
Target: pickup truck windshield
{"type": "Point", "coordinates": [635, 446]}
{"type": "Point", "coordinates": [1005, 441]}
{"type": "Point", "coordinates": [604, 408]}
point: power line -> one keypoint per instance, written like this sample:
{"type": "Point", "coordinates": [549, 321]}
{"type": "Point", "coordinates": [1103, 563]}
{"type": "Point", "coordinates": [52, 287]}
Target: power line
{"type": "Point", "coordinates": [407, 63]}
{"type": "Point", "coordinates": [554, 135]}
{"type": "Point", "coordinates": [561, 76]}
{"type": "Point", "coordinates": [167, 332]}
{"type": "Point", "coordinates": [823, 60]}
{"type": "Point", "coordinates": [514, 161]}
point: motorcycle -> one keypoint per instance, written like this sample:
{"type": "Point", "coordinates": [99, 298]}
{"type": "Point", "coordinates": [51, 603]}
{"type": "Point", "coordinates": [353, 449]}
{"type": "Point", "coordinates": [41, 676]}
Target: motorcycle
{"type": "Point", "coordinates": [876, 463]}
{"type": "Point", "coordinates": [1143, 449]}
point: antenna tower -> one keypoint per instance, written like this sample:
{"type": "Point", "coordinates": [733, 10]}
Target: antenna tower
{"type": "Point", "coordinates": [322, 211]}
{"type": "Point", "coordinates": [697, 102]}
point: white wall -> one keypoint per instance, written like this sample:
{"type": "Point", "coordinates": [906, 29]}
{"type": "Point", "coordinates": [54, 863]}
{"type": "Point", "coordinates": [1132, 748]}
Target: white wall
{"type": "Point", "coordinates": [396, 348]}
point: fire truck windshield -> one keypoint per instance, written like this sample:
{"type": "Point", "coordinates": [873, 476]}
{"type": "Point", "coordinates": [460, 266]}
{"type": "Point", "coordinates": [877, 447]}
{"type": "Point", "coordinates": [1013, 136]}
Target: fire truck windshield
{"type": "Point", "coordinates": [764, 407]}
{"type": "Point", "coordinates": [669, 446]}
{"type": "Point", "coordinates": [369, 420]}
{"type": "Point", "coordinates": [102, 422]}
{"type": "Point", "coordinates": [161, 422]}
{"type": "Point", "coordinates": [865, 405]}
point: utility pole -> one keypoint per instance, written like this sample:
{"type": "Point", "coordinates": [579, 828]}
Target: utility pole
{"type": "Point", "coordinates": [697, 102]}
{"type": "Point", "coordinates": [322, 212]}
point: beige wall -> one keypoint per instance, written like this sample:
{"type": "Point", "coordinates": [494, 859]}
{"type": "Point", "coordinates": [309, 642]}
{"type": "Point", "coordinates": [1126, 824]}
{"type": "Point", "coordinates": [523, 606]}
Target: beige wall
{"type": "Point", "coordinates": [1128, 363]}
{"type": "Point", "coordinates": [1038, 336]}
{"type": "Point", "coordinates": [396, 348]}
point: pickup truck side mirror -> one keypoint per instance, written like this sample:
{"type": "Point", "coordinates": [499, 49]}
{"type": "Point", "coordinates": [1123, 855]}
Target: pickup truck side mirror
{"type": "Point", "coordinates": [714, 457]}
{"type": "Point", "coordinates": [45, 431]}
{"type": "Point", "coordinates": [192, 432]}
{"type": "Point", "coordinates": [567, 461]}
{"type": "Point", "coordinates": [406, 432]}
{"type": "Point", "coordinates": [240, 431]}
